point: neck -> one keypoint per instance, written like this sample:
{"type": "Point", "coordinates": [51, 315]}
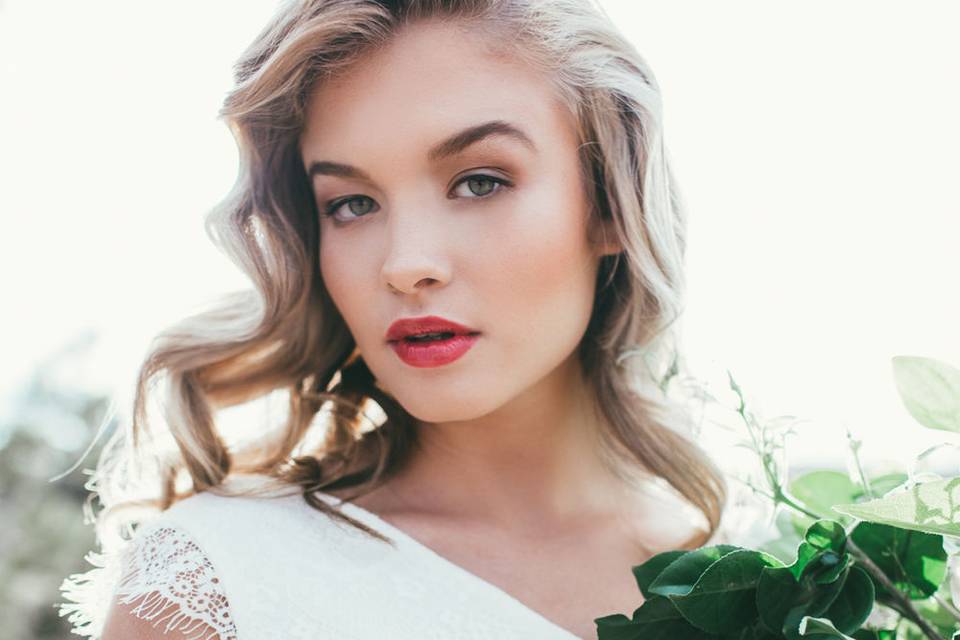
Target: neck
{"type": "Point", "coordinates": [532, 464]}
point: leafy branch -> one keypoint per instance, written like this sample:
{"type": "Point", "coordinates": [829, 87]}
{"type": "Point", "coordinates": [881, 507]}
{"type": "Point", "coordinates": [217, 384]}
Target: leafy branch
{"type": "Point", "coordinates": [781, 496]}
{"type": "Point", "coordinates": [880, 541]}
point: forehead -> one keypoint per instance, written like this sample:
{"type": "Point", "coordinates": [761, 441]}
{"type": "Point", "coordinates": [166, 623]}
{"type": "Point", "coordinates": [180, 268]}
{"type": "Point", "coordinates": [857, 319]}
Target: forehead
{"type": "Point", "coordinates": [431, 78]}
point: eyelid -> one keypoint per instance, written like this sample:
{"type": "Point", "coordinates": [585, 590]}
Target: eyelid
{"type": "Point", "coordinates": [331, 207]}
{"type": "Point", "coordinates": [502, 183]}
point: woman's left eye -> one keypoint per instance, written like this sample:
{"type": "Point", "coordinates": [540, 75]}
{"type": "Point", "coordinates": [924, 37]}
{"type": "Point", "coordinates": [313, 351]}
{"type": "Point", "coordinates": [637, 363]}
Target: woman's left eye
{"type": "Point", "coordinates": [479, 185]}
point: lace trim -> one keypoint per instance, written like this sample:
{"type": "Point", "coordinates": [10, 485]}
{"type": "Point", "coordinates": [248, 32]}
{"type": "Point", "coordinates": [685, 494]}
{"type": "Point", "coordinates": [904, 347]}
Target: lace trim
{"type": "Point", "coordinates": [166, 575]}
{"type": "Point", "coordinates": [90, 593]}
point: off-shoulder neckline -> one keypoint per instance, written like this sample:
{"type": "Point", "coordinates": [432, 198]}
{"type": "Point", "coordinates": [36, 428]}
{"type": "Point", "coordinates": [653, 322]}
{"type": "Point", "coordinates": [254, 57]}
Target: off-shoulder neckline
{"type": "Point", "coordinates": [370, 518]}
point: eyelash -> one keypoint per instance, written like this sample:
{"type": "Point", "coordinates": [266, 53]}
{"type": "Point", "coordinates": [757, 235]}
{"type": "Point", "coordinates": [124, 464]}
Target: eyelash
{"type": "Point", "coordinates": [331, 207]}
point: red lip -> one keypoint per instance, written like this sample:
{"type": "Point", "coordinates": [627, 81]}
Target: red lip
{"type": "Point", "coordinates": [426, 324]}
{"type": "Point", "coordinates": [435, 353]}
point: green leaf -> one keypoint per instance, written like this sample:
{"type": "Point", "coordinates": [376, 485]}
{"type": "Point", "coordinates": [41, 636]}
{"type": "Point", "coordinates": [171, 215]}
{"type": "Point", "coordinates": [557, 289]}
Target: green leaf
{"type": "Point", "coordinates": [930, 390]}
{"type": "Point", "coordinates": [827, 535]}
{"type": "Point", "coordinates": [820, 490]}
{"type": "Point", "coordinates": [755, 632]}
{"type": "Point", "coordinates": [914, 561]}
{"type": "Point", "coordinates": [723, 600]}
{"type": "Point", "coordinates": [931, 507]}
{"type": "Point", "coordinates": [881, 485]}
{"type": "Point", "coordinates": [782, 601]}
{"type": "Point", "coordinates": [820, 628]}
{"type": "Point", "coordinates": [826, 591]}
{"type": "Point", "coordinates": [853, 604]}
{"type": "Point", "coordinates": [681, 574]}
{"type": "Point", "coordinates": [823, 489]}
{"type": "Point", "coordinates": [829, 566]}
{"type": "Point", "coordinates": [805, 553]}
{"type": "Point", "coordinates": [647, 572]}
{"type": "Point", "coordinates": [822, 555]}
{"type": "Point", "coordinates": [655, 619]}
{"type": "Point", "coordinates": [777, 593]}
{"type": "Point", "coordinates": [618, 627]}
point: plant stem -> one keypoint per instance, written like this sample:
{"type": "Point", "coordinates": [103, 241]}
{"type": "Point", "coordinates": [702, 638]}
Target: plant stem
{"type": "Point", "coordinates": [854, 446]}
{"type": "Point", "coordinates": [756, 490]}
{"type": "Point", "coordinates": [908, 609]}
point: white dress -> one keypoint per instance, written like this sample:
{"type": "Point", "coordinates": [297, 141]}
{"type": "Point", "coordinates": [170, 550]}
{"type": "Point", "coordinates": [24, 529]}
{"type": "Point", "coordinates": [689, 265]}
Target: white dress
{"type": "Point", "coordinates": [253, 568]}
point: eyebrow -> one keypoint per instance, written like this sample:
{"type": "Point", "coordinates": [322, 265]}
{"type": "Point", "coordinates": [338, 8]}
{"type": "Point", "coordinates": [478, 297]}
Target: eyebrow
{"type": "Point", "coordinates": [443, 149]}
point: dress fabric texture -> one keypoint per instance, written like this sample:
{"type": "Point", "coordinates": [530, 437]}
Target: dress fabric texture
{"type": "Point", "coordinates": [251, 568]}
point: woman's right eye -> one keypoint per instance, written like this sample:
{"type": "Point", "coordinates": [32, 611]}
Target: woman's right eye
{"type": "Point", "coordinates": [356, 205]}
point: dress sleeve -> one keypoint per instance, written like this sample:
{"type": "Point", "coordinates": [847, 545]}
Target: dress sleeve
{"type": "Point", "coordinates": [164, 575]}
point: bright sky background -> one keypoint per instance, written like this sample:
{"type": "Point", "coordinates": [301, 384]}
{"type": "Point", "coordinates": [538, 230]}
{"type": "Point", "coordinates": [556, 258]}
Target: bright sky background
{"type": "Point", "coordinates": [817, 145]}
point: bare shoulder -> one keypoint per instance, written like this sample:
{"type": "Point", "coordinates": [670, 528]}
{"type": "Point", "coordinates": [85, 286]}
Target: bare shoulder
{"type": "Point", "coordinates": [123, 624]}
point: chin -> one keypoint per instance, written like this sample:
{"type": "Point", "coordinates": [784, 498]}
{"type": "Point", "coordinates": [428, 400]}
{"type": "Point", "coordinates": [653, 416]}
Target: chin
{"type": "Point", "coordinates": [429, 404]}
{"type": "Point", "coordinates": [429, 408]}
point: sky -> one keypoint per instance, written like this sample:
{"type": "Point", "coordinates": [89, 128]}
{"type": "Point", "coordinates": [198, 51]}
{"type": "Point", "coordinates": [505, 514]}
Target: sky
{"type": "Point", "coordinates": [816, 145]}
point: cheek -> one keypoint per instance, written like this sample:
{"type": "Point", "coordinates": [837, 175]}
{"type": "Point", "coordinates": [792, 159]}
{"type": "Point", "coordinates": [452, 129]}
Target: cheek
{"type": "Point", "coordinates": [336, 269]}
{"type": "Point", "coordinates": [543, 266]}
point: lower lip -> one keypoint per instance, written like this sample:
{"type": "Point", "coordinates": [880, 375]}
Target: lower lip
{"type": "Point", "coordinates": [434, 353]}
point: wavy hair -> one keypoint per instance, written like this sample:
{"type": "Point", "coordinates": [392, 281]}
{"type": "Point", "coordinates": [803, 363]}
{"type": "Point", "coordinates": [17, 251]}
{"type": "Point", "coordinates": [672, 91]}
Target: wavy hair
{"type": "Point", "coordinates": [286, 336]}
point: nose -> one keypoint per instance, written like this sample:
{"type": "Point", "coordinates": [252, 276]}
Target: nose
{"type": "Point", "coordinates": [415, 251]}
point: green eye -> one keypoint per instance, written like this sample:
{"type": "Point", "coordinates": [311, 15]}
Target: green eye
{"type": "Point", "coordinates": [481, 185]}
{"type": "Point", "coordinates": [362, 209]}
{"type": "Point", "coordinates": [357, 205]}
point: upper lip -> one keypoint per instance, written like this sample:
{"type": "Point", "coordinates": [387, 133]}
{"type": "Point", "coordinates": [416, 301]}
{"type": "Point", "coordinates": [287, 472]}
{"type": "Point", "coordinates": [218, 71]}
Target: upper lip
{"type": "Point", "coordinates": [427, 324]}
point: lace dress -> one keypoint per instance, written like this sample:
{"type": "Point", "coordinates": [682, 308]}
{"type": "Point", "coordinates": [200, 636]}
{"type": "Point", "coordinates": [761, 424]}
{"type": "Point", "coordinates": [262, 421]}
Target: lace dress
{"type": "Point", "coordinates": [250, 568]}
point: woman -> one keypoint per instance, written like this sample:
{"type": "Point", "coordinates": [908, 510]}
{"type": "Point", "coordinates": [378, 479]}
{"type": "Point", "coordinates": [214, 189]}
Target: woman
{"type": "Point", "coordinates": [460, 212]}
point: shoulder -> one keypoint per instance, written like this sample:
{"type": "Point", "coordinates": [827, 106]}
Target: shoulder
{"type": "Point", "coordinates": [124, 622]}
{"type": "Point", "coordinates": [168, 584]}
{"type": "Point", "coordinates": [172, 574]}
{"type": "Point", "coordinates": [238, 512]}
{"type": "Point", "coordinates": [213, 563]}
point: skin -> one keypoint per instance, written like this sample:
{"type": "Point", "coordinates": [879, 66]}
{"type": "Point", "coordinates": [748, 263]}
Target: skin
{"type": "Point", "coordinates": [508, 431]}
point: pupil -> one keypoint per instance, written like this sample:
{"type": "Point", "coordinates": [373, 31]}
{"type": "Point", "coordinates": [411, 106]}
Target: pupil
{"type": "Point", "coordinates": [363, 210]}
{"type": "Point", "coordinates": [487, 182]}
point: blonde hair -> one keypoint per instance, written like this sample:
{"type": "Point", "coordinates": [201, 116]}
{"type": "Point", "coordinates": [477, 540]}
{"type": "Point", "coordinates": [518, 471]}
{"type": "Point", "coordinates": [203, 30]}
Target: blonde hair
{"type": "Point", "coordinates": [286, 335]}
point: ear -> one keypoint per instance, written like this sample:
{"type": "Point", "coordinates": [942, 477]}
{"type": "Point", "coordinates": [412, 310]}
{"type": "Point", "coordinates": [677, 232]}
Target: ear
{"type": "Point", "coordinates": [604, 239]}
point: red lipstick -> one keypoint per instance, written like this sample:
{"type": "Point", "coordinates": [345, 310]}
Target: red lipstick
{"type": "Point", "coordinates": [430, 341]}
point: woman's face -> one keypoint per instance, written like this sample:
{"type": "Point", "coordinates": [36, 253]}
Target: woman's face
{"type": "Point", "coordinates": [487, 231]}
